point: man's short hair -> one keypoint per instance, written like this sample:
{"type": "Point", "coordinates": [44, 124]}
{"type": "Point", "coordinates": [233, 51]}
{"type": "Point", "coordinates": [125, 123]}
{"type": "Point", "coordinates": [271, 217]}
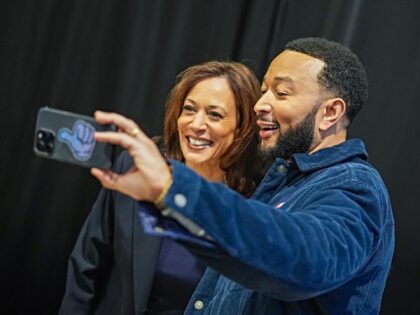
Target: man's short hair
{"type": "Point", "coordinates": [343, 73]}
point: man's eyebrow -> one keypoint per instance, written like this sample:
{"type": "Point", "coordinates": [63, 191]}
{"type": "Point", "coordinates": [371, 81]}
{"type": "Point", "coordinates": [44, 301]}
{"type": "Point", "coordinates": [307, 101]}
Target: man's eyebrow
{"type": "Point", "coordinates": [285, 79]}
{"type": "Point", "coordinates": [281, 79]}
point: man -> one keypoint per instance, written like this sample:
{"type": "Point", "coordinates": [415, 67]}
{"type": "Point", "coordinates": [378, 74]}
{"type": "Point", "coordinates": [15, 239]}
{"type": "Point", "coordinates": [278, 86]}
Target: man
{"type": "Point", "coordinates": [317, 237]}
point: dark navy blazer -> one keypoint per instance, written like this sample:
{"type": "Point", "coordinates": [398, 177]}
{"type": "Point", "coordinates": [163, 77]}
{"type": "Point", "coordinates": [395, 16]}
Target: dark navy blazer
{"type": "Point", "coordinates": [102, 278]}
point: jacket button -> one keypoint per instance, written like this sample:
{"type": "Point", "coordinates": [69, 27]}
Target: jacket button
{"type": "Point", "coordinates": [158, 229]}
{"type": "Point", "coordinates": [198, 305]}
{"type": "Point", "coordinates": [180, 200]}
{"type": "Point", "coordinates": [281, 169]}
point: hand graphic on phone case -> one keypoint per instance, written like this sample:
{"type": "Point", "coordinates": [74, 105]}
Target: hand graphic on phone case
{"type": "Point", "coordinates": [81, 139]}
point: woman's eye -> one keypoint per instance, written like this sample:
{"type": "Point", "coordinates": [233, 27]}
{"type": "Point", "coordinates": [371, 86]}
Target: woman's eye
{"type": "Point", "coordinates": [188, 108]}
{"type": "Point", "coordinates": [263, 91]}
{"type": "Point", "coordinates": [215, 115]}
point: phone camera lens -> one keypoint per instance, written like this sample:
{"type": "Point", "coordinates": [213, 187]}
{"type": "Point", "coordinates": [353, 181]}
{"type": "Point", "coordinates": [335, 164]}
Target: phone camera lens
{"type": "Point", "coordinates": [45, 141]}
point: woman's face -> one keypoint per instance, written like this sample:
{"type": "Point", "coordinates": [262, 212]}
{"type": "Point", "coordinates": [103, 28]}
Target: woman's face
{"type": "Point", "coordinates": [207, 122]}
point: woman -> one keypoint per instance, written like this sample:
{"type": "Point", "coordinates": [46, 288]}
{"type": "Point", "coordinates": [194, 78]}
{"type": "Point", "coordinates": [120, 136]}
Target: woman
{"type": "Point", "coordinates": [115, 268]}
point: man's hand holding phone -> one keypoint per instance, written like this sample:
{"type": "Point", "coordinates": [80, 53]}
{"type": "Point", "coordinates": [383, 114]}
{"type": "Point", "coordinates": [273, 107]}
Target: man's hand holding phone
{"type": "Point", "coordinates": [150, 175]}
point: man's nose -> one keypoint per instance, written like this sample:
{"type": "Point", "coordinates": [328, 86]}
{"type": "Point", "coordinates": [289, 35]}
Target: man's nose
{"type": "Point", "coordinates": [262, 105]}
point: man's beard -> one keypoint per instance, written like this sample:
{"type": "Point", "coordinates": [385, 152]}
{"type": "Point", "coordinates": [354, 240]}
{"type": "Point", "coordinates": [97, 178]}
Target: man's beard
{"type": "Point", "coordinates": [297, 139]}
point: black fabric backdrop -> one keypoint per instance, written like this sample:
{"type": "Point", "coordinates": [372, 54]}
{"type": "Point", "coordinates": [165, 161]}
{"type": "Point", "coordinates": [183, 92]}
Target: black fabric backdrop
{"type": "Point", "coordinates": [123, 56]}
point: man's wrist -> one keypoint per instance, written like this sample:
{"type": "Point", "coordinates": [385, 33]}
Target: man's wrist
{"type": "Point", "coordinates": [159, 200]}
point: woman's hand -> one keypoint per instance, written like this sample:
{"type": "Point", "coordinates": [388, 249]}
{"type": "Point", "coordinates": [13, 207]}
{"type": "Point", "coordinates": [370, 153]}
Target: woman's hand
{"type": "Point", "coordinates": [146, 180]}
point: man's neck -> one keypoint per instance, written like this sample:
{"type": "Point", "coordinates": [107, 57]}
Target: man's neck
{"type": "Point", "coordinates": [328, 141]}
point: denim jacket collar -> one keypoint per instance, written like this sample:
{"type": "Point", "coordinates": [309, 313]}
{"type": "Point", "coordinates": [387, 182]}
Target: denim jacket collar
{"type": "Point", "coordinates": [330, 156]}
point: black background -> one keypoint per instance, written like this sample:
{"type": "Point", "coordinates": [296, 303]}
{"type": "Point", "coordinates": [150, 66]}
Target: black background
{"type": "Point", "coordinates": [123, 56]}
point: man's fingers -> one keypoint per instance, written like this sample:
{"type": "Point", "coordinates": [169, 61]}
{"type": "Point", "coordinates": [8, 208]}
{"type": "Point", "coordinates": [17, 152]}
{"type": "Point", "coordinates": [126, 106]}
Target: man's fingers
{"type": "Point", "coordinates": [106, 177]}
{"type": "Point", "coordinates": [123, 123]}
{"type": "Point", "coordinates": [124, 183]}
{"type": "Point", "coordinates": [117, 138]}
{"type": "Point", "coordinates": [104, 117]}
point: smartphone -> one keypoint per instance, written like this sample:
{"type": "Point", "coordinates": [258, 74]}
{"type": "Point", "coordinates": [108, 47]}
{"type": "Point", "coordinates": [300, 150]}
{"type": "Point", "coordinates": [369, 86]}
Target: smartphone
{"type": "Point", "coordinates": [69, 137]}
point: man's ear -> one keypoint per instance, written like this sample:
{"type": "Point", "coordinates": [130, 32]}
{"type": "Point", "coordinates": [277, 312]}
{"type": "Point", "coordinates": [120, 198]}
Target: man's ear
{"type": "Point", "coordinates": [333, 111]}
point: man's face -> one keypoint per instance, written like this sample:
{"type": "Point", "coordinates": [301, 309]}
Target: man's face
{"type": "Point", "coordinates": [288, 108]}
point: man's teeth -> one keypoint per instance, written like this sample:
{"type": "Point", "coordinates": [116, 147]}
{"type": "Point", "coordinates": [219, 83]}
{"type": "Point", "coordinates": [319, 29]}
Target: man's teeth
{"type": "Point", "coordinates": [269, 127]}
{"type": "Point", "coordinates": [199, 142]}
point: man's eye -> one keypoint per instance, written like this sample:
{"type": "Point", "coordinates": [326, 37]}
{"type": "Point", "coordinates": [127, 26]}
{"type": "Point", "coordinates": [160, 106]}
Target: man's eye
{"type": "Point", "coordinates": [281, 93]}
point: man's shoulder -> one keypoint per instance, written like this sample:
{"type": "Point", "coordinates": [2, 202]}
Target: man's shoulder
{"type": "Point", "coordinates": [353, 171]}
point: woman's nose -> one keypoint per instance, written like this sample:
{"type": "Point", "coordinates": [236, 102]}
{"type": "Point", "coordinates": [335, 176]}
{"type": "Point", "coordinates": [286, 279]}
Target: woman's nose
{"type": "Point", "coordinates": [199, 122]}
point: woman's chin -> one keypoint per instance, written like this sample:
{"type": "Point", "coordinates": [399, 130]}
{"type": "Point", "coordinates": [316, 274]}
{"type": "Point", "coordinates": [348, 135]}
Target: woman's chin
{"type": "Point", "coordinates": [197, 160]}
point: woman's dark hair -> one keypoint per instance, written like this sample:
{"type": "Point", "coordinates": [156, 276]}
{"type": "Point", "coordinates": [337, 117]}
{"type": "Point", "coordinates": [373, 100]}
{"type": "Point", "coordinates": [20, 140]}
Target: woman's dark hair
{"type": "Point", "coordinates": [239, 161]}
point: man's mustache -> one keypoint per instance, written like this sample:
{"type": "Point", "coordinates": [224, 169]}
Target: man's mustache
{"type": "Point", "coordinates": [265, 117]}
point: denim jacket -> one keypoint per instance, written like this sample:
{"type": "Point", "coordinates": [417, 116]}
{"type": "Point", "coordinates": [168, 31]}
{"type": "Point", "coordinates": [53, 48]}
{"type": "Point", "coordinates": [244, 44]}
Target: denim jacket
{"type": "Point", "coordinates": [318, 233]}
